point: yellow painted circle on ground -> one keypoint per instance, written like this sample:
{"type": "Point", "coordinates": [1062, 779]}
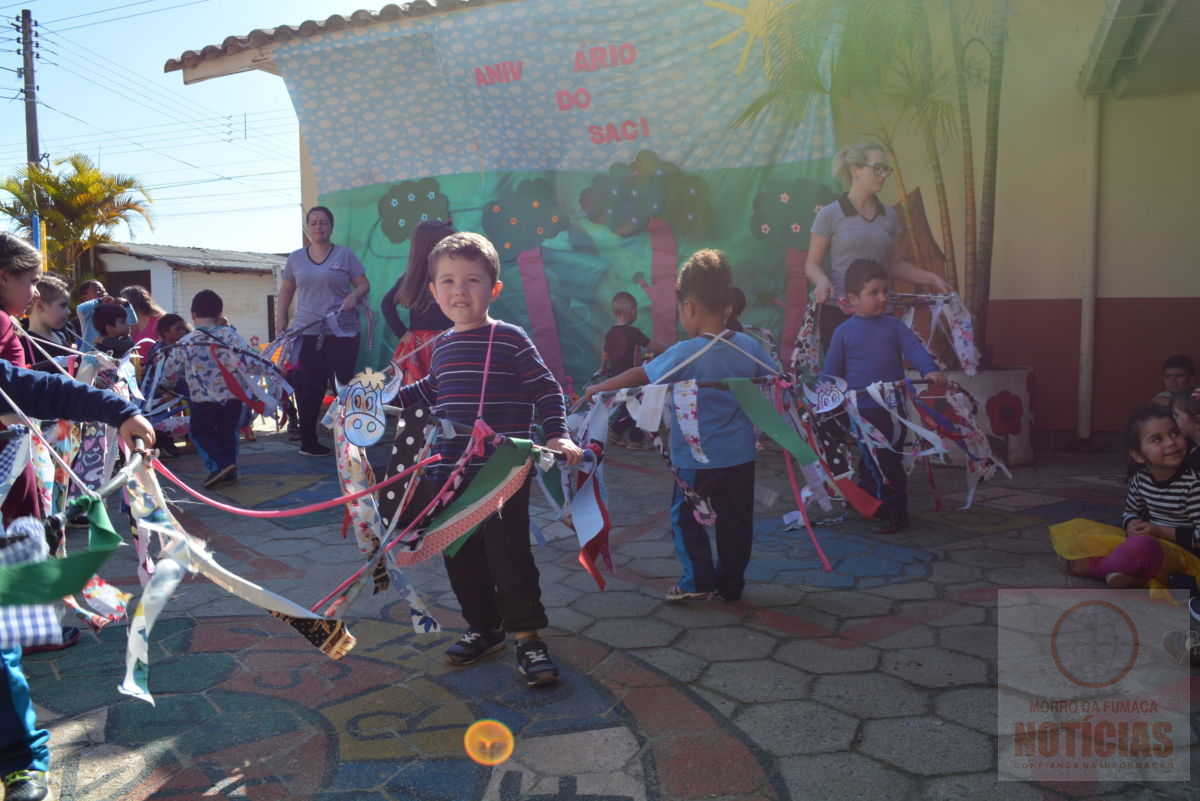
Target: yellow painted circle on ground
{"type": "Point", "coordinates": [488, 742]}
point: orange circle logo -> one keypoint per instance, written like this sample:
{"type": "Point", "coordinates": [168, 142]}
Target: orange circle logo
{"type": "Point", "coordinates": [488, 742]}
{"type": "Point", "coordinates": [1097, 651]}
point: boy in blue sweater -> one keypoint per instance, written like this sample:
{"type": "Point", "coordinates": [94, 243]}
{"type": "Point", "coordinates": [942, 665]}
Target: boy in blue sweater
{"type": "Point", "coordinates": [872, 346]}
{"type": "Point", "coordinates": [726, 474]}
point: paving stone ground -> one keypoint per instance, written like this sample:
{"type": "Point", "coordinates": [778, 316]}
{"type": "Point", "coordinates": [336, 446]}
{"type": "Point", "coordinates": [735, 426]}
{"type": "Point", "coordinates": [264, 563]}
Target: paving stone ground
{"type": "Point", "coordinates": [874, 680]}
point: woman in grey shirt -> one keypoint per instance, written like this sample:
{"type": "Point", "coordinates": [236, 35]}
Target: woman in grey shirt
{"type": "Point", "coordinates": [858, 226]}
{"type": "Point", "coordinates": [328, 282]}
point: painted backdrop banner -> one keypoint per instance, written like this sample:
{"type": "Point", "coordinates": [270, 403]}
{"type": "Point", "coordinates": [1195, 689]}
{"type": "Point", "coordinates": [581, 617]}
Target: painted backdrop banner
{"type": "Point", "coordinates": [590, 140]}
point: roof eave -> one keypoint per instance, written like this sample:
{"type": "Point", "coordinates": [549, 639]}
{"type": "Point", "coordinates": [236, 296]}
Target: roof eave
{"type": "Point", "coordinates": [197, 67]}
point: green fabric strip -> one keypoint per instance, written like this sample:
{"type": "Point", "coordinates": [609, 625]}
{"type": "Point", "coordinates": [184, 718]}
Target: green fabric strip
{"type": "Point", "coordinates": [508, 456]}
{"type": "Point", "coordinates": [770, 422]}
{"type": "Point", "coordinates": [54, 579]}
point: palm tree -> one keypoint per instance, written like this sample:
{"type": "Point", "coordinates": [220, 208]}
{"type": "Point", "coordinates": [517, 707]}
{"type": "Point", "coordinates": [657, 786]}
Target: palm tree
{"type": "Point", "coordinates": [873, 59]}
{"type": "Point", "coordinates": [876, 62]}
{"type": "Point", "coordinates": [80, 207]}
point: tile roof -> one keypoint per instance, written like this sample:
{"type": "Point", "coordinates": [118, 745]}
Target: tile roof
{"type": "Point", "coordinates": [200, 259]}
{"type": "Point", "coordinates": [263, 37]}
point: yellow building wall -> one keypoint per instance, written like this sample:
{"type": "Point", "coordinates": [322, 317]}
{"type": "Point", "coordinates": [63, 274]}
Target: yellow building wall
{"type": "Point", "coordinates": [1147, 275]}
{"type": "Point", "coordinates": [1149, 206]}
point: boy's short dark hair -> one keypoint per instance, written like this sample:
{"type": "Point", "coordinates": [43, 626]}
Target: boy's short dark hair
{"type": "Point", "coordinates": [107, 314]}
{"type": "Point", "coordinates": [166, 322]}
{"type": "Point", "coordinates": [466, 245]}
{"type": "Point", "coordinates": [860, 273]}
{"type": "Point", "coordinates": [1180, 361]}
{"type": "Point", "coordinates": [207, 303]}
{"type": "Point", "coordinates": [705, 278]}
{"type": "Point", "coordinates": [624, 304]}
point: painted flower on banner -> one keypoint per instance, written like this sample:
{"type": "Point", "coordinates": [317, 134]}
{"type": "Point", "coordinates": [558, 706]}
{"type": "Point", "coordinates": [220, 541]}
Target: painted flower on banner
{"type": "Point", "coordinates": [521, 219]}
{"type": "Point", "coordinates": [784, 212]}
{"type": "Point", "coordinates": [1004, 410]}
{"type": "Point", "coordinates": [628, 196]}
{"type": "Point", "coordinates": [408, 203]}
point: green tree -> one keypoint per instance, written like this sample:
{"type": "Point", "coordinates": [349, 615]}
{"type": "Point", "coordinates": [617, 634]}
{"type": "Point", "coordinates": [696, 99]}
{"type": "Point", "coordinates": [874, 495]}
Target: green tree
{"type": "Point", "coordinates": [81, 206]}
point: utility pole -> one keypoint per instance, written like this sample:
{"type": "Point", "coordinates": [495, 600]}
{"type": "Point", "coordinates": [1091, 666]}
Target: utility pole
{"type": "Point", "coordinates": [32, 151]}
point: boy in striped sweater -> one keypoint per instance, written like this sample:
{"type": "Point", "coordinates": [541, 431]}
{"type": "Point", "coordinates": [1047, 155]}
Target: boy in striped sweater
{"type": "Point", "coordinates": [489, 369]}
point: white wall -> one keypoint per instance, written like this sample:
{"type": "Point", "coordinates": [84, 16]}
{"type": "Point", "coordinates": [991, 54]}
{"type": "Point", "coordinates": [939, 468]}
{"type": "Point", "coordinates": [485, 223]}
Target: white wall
{"type": "Point", "coordinates": [246, 296]}
{"type": "Point", "coordinates": [162, 279]}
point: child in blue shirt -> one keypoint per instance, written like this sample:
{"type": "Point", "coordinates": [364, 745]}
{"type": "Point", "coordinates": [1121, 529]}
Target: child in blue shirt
{"type": "Point", "coordinates": [872, 346]}
{"type": "Point", "coordinates": [727, 436]}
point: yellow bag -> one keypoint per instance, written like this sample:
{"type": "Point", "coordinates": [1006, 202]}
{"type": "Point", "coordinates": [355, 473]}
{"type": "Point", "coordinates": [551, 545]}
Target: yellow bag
{"type": "Point", "coordinates": [1081, 539]}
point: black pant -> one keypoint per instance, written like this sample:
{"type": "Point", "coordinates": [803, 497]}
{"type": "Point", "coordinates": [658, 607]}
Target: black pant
{"type": "Point", "coordinates": [888, 482]}
{"type": "Point", "coordinates": [214, 427]}
{"type": "Point", "coordinates": [828, 321]}
{"type": "Point", "coordinates": [494, 576]}
{"type": "Point", "coordinates": [730, 492]}
{"type": "Point", "coordinates": [334, 357]}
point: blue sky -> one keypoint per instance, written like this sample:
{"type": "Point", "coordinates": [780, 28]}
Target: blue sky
{"type": "Point", "coordinates": [220, 157]}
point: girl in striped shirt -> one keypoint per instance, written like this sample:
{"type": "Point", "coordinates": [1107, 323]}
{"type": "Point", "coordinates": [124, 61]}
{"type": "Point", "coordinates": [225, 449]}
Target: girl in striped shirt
{"type": "Point", "coordinates": [1164, 493]}
{"type": "Point", "coordinates": [1163, 503]}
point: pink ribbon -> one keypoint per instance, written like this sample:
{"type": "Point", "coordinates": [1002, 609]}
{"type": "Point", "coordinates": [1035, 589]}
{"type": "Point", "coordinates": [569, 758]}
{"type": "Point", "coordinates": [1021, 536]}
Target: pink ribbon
{"type": "Point", "coordinates": [303, 510]}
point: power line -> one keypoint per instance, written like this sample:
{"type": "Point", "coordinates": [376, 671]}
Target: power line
{"type": "Point", "coordinates": [224, 178]}
{"type": "Point", "coordinates": [229, 119]}
{"type": "Point", "coordinates": [212, 212]}
{"type": "Point", "coordinates": [185, 106]}
{"type": "Point", "coordinates": [100, 11]}
{"type": "Point", "coordinates": [46, 105]}
{"type": "Point", "coordinates": [131, 16]}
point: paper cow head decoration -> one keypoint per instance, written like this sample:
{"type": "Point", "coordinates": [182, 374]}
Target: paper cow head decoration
{"type": "Point", "coordinates": [362, 403]}
{"type": "Point", "coordinates": [827, 395]}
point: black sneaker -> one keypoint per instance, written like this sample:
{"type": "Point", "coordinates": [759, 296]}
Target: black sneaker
{"type": "Point", "coordinates": [475, 645]}
{"type": "Point", "coordinates": [316, 450]}
{"type": "Point", "coordinates": [1182, 646]}
{"type": "Point", "coordinates": [890, 525]}
{"type": "Point", "coordinates": [534, 663]}
{"type": "Point", "coordinates": [25, 785]}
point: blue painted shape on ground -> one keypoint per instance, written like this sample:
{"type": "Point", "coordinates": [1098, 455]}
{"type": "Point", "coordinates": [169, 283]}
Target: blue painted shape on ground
{"type": "Point", "coordinates": [1069, 510]}
{"type": "Point", "coordinates": [788, 557]}
{"type": "Point", "coordinates": [439, 780]}
{"type": "Point", "coordinates": [817, 578]}
{"type": "Point", "coordinates": [361, 776]}
{"type": "Point", "coordinates": [872, 566]}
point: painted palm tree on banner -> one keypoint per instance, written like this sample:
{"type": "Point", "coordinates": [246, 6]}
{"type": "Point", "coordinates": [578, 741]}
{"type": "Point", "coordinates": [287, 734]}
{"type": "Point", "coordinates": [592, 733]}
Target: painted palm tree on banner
{"type": "Point", "coordinates": [880, 67]}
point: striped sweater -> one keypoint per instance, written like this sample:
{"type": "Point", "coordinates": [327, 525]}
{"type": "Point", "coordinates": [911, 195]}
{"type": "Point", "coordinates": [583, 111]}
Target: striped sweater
{"type": "Point", "coordinates": [1174, 503]}
{"type": "Point", "coordinates": [519, 390]}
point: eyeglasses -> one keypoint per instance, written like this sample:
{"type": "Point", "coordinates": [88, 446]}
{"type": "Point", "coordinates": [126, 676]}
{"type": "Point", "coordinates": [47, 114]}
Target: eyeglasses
{"type": "Point", "coordinates": [883, 170]}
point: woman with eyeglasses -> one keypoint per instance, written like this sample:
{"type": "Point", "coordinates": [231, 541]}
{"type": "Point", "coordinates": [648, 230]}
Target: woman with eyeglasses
{"type": "Point", "coordinates": [858, 226]}
{"type": "Point", "coordinates": [411, 290]}
{"type": "Point", "coordinates": [328, 282]}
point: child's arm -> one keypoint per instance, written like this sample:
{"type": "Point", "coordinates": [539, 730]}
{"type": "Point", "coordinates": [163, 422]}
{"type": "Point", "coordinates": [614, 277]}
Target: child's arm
{"type": "Point", "coordinates": [1133, 520]}
{"type": "Point", "coordinates": [835, 357]}
{"type": "Point", "coordinates": [633, 377]}
{"type": "Point", "coordinates": [919, 357]}
{"type": "Point", "coordinates": [48, 397]}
